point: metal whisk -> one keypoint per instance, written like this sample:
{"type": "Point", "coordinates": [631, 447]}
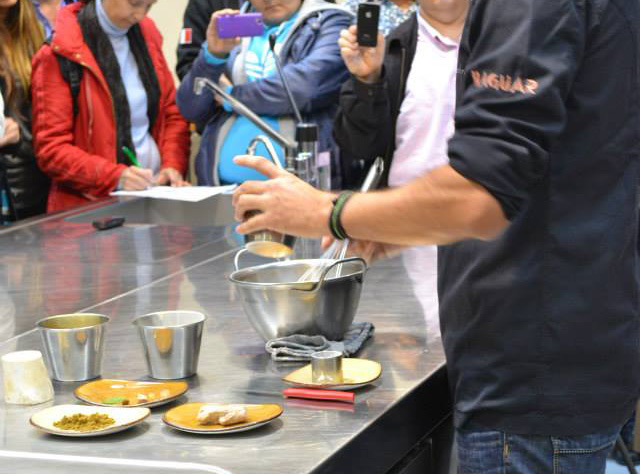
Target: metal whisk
{"type": "Point", "coordinates": [338, 249]}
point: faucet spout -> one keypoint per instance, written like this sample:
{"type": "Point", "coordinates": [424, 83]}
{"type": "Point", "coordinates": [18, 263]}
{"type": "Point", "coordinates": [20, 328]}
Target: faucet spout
{"type": "Point", "coordinates": [251, 149]}
{"type": "Point", "coordinates": [238, 107]}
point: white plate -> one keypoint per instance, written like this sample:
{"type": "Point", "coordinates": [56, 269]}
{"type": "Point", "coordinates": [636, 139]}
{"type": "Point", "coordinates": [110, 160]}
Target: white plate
{"type": "Point", "coordinates": [124, 418]}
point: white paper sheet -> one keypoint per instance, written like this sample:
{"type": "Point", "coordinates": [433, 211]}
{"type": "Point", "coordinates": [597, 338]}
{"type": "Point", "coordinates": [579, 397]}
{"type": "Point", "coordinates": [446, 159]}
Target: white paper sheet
{"type": "Point", "coordinates": [187, 193]}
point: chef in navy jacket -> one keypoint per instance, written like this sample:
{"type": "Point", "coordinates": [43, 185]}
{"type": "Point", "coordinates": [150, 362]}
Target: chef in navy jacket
{"type": "Point", "coordinates": [536, 214]}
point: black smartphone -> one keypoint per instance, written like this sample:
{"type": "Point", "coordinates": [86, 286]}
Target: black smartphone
{"type": "Point", "coordinates": [368, 16]}
{"type": "Point", "coordinates": [108, 223]}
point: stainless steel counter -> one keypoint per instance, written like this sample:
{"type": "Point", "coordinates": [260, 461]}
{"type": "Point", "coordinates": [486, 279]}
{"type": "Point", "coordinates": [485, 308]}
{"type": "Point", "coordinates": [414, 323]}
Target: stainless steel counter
{"type": "Point", "coordinates": [52, 266]}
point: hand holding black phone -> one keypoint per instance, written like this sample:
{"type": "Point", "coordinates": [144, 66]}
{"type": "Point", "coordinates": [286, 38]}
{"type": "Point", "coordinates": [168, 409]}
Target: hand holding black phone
{"type": "Point", "coordinates": [368, 17]}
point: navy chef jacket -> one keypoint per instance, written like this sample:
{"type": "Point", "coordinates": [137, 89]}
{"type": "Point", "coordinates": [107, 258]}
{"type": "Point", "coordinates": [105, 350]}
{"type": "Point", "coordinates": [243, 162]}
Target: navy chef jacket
{"type": "Point", "coordinates": [540, 326]}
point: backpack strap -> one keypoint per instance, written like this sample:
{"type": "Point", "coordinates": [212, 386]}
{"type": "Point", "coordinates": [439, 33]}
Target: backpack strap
{"type": "Point", "coordinates": [72, 75]}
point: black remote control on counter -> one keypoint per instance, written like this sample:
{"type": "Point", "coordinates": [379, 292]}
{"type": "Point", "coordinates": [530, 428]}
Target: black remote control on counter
{"type": "Point", "coordinates": [108, 223]}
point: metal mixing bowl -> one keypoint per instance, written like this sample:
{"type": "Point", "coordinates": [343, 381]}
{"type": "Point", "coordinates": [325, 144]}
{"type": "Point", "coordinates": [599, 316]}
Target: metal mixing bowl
{"type": "Point", "coordinates": [278, 305]}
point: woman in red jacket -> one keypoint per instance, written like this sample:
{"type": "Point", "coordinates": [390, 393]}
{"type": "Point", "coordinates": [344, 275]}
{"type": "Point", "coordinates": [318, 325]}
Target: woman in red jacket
{"type": "Point", "coordinates": [126, 101]}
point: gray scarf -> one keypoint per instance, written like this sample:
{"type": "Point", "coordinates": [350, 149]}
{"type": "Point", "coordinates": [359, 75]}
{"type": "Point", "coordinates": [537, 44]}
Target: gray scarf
{"type": "Point", "coordinates": [102, 50]}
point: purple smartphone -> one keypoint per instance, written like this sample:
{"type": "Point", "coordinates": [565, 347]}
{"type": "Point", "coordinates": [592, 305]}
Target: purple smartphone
{"type": "Point", "coordinates": [246, 24]}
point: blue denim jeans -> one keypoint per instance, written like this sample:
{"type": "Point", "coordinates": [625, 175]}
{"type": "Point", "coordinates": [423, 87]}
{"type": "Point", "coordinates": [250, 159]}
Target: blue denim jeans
{"type": "Point", "coordinates": [495, 452]}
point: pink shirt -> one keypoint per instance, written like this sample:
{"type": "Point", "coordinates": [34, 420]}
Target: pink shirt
{"type": "Point", "coordinates": [425, 123]}
{"type": "Point", "coordinates": [424, 127]}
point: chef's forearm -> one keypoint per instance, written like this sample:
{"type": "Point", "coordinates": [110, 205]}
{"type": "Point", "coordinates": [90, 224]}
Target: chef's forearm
{"type": "Point", "coordinates": [439, 208]}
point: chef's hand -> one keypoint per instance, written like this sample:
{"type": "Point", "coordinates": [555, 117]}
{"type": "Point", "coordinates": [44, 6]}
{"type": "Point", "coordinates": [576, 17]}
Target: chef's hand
{"type": "Point", "coordinates": [170, 177]}
{"type": "Point", "coordinates": [364, 63]}
{"type": "Point", "coordinates": [135, 179]}
{"type": "Point", "coordinates": [367, 250]}
{"type": "Point", "coordinates": [373, 251]}
{"type": "Point", "coordinates": [219, 47]}
{"type": "Point", "coordinates": [11, 132]}
{"type": "Point", "coordinates": [287, 204]}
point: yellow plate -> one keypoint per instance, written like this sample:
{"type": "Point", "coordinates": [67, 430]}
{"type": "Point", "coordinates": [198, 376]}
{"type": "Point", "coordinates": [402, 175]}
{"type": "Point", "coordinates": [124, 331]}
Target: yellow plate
{"type": "Point", "coordinates": [157, 393]}
{"type": "Point", "coordinates": [355, 373]}
{"type": "Point", "coordinates": [184, 418]}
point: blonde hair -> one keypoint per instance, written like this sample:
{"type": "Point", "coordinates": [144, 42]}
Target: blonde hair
{"type": "Point", "coordinates": [21, 35]}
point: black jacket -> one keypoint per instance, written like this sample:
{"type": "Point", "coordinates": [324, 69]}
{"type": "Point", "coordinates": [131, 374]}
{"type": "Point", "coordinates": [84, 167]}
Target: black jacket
{"type": "Point", "coordinates": [197, 17]}
{"type": "Point", "coordinates": [19, 173]}
{"type": "Point", "coordinates": [541, 325]}
{"type": "Point", "coordinates": [365, 126]}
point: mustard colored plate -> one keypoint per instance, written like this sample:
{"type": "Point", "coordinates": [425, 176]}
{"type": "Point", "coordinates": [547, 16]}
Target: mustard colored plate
{"type": "Point", "coordinates": [183, 418]}
{"type": "Point", "coordinates": [356, 373]}
{"type": "Point", "coordinates": [124, 418]}
{"type": "Point", "coordinates": [156, 393]}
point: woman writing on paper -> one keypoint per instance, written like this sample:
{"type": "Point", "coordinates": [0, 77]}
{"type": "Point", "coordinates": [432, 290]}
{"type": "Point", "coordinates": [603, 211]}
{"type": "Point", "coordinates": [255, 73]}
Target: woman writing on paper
{"type": "Point", "coordinates": [105, 116]}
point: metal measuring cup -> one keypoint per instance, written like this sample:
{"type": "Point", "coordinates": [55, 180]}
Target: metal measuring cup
{"type": "Point", "coordinates": [267, 243]}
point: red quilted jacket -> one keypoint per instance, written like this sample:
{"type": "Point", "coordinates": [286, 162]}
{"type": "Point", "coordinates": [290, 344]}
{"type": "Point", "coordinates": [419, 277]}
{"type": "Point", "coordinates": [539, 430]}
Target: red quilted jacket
{"type": "Point", "coordinates": [80, 155]}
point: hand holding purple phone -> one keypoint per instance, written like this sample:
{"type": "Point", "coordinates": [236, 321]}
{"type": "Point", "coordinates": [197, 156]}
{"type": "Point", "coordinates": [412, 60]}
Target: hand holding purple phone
{"type": "Point", "coordinates": [220, 47]}
{"type": "Point", "coordinates": [235, 26]}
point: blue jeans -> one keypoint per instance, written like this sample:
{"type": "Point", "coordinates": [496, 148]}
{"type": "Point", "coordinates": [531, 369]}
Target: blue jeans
{"type": "Point", "coordinates": [495, 452]}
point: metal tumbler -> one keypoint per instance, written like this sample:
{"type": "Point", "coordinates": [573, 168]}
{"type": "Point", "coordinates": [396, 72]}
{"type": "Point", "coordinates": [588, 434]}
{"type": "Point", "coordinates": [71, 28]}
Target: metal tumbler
{"type": "Point", "coordinates": [268, 243]}
{"type": "Point", "coordinates": [73, 345]}
{"type": "Point", "coordinates": [326, 367]}
{"type": "Point", "coordinates": [171, 342]}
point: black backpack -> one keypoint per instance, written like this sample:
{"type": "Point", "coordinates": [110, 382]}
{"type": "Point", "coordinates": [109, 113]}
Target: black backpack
{"type": "Point", "coordinates": [72, 75]}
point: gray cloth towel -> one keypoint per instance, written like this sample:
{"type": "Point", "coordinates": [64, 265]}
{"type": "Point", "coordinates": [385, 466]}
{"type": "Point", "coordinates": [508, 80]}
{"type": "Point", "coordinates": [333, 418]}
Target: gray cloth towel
{"type": "Point", "coordinates": [299, 347]}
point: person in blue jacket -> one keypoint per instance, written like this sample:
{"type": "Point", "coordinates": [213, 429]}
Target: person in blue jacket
{"type": "Point", "coordinates": [307, 35]}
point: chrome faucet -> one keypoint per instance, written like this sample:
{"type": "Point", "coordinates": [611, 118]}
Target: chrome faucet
{"type": "Point", "coordinates": [290, 147]}
{"type": "Point", "coordinates": [251, 149]}
{"type": "Point", "coordinates": [300, 155]}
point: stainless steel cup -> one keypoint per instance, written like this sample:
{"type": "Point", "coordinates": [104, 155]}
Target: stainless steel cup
{"type": "Point", "coordinates": [326, 367]}
{"type": "Point", "coordinates": [73, 345]}
{"type": "Point", "coordinates": [267, 243]}
{"type": "Point", "coordinates": [171, 341]}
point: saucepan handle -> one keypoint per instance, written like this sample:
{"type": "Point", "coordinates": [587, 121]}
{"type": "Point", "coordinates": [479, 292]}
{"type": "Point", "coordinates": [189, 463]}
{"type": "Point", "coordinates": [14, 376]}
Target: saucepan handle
{"type": "Point", "coordinates": [236, 259]}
